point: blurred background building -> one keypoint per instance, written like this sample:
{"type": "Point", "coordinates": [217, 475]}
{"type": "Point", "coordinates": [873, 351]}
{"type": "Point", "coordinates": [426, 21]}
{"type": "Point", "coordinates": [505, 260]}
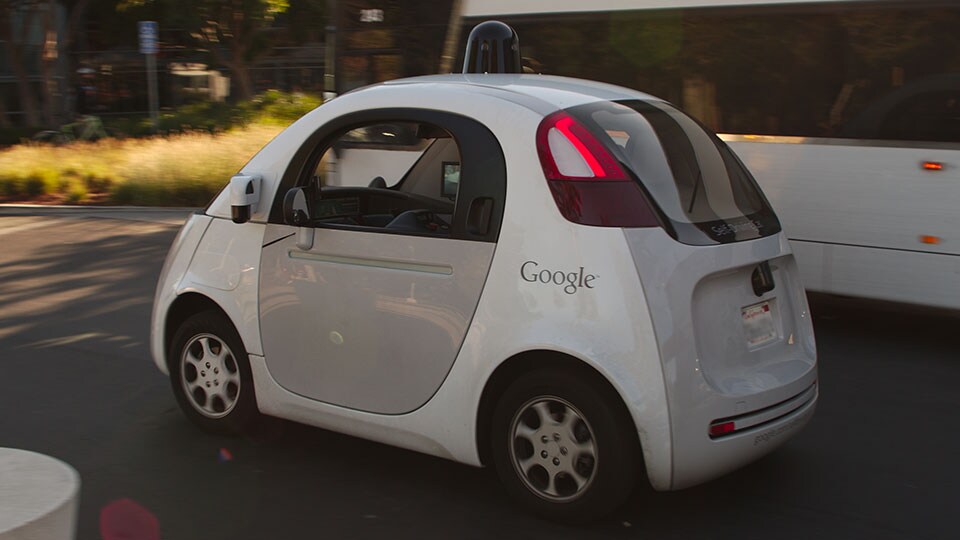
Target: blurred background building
{"type": "Point", "coordinates": [67, 57]}
{"type": "Point", "coordinates": [865, 69]}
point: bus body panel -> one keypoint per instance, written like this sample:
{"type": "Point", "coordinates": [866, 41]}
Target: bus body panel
{"type": "Point", "coordinates": [866, 221]}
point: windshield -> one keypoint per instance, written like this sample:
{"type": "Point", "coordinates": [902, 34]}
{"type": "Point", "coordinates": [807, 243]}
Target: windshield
{"type": "Point", "coordinates": [698, 183]}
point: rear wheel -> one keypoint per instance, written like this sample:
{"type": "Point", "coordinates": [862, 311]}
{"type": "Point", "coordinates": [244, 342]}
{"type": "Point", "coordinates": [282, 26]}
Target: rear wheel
{"type": "Point", "coordinates": [210, 374]}
{"type": "Point", "coordinates": [564, 447]}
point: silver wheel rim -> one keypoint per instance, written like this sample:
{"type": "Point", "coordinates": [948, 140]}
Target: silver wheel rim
{"type": "Point", "coordinates": [552, 448]}
{"type": "Point", "coordinates": [209, 375]}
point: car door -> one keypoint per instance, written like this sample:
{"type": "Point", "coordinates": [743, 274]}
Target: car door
{"type": "Point", "coordinates": [373, 314]}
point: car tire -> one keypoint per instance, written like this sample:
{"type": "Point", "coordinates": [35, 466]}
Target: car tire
{"type": "Point", "coordinates": [210, 374]}
{"type": "Point", "coordinates": [564, 447]}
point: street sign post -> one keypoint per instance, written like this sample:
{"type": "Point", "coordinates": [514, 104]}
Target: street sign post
{"type": "Point", "coordinates": [148, 31]}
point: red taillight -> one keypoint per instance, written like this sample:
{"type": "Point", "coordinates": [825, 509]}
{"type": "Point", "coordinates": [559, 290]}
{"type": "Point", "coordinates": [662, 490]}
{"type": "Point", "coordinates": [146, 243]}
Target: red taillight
{"type": "Point", "coordinates": [722, 428]}
{"type": "Point", "coordinates": [599, 164]}
{"type": "Point", "coordinates": [587, 182]}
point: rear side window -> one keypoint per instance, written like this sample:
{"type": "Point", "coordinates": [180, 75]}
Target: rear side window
{"type": "Point", "coordinates": [372, 168]}
{"type": "Point", "coordinates": [390, 177]}
{"type": "Point", "coordinates": [701, 187]}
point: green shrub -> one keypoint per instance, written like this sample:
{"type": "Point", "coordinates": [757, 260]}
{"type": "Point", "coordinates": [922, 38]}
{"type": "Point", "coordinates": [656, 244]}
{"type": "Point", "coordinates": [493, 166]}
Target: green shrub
{"type": "Point", "coordinates": [280, 108]}
{"type": "Point", "coordinates": [272, 107]}
{"type": "Point", "coordinates": [98, 182]}
{"type": "Point", "coordinates": [40, 181]}
{"type": "Point", "coordinates": [11, 185]}
{"type": "Point", "coordinates": [157, 194]}
{"type": "Point", "coordinates": [76, 193]}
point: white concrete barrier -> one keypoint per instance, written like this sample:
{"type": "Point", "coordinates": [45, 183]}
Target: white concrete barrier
{"type": "Point", "coordinates": [38, 497]}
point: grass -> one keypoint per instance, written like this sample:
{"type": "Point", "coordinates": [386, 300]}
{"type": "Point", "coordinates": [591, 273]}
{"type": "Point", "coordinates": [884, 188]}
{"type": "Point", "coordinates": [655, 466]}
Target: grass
{"type": "Point", "coordinates": [200, 146]}
{"type": "Point", "coordinates": [271, 108]}
{"type": "Point", "coordinates": [185, 169]}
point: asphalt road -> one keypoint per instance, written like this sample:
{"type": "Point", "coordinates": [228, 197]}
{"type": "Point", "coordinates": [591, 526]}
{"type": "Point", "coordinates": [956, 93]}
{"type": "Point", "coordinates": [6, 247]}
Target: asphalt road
{"type": "Point", "coordinates": [878, 461]}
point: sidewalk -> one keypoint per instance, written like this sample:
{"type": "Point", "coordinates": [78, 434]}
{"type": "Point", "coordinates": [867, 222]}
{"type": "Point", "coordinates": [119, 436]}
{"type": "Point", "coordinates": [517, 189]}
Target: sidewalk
{"type": "Point", "coordinates": [151, 214]}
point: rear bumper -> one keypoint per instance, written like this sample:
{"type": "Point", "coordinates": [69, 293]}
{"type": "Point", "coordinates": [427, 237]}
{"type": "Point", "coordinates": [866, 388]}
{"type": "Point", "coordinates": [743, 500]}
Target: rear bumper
{"type": "Point", "coordinates": [763, 417]}
{"type": "Point", "coordinates": [712, 371]}
{"type": "Point", "coordinates": [703, 458]}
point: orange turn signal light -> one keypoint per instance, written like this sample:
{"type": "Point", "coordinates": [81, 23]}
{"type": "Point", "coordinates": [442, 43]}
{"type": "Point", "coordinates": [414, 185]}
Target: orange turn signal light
{"type": "Point", "coordinates": [930, 239]}
{"type": "Point", "coordinates": [932, 166]}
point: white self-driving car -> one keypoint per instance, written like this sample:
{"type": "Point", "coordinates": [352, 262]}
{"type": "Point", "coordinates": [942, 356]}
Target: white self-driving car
{"type": "Point", "coordinates": [565, 280]}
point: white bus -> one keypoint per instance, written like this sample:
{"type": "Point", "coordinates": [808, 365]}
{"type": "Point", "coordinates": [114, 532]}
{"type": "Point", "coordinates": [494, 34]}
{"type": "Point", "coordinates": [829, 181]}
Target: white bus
{"type": "Point", "coordinates": [847, 113]}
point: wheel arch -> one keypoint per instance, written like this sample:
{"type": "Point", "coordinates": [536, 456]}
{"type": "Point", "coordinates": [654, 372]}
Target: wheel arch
{"type": "Point", "coordinates": [533, 360]}
{"type": "Point", "coordinates": [181, 309]}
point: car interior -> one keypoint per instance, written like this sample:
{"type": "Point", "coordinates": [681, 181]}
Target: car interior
{"type": "Point", "coordinates": [400, 177]}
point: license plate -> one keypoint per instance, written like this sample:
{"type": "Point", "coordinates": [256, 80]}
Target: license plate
{"type": "Point", "coordinates": [758, 324]}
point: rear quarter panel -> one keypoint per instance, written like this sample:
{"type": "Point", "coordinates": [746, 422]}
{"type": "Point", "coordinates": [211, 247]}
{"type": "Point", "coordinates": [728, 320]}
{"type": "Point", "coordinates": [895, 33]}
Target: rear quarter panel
{"type": "Point", "coordinates": [605, 325]}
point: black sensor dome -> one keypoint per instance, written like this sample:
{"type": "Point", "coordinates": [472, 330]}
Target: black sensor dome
{"type": "Point", "coordinates": [493, 47]}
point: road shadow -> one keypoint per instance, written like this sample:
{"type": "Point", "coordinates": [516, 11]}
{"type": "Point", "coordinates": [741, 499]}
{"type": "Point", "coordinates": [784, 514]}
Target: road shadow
{"type": "Point", "coordinates": [81, 283]}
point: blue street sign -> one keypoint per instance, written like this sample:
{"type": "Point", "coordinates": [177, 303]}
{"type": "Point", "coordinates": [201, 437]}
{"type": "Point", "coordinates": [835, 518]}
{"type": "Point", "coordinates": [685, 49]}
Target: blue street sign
{"type": "Point", "coordinates": [148, 31]}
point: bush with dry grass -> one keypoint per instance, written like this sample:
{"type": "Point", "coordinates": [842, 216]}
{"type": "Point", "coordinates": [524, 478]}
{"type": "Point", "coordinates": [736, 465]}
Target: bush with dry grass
{"type": "Point", "coordinates": [175, 170]}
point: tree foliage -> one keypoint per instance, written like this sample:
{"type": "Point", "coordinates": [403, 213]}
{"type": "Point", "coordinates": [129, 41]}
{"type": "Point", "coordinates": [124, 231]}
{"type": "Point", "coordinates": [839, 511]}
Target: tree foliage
{"type": "Point", "coordinates": [234, 32]}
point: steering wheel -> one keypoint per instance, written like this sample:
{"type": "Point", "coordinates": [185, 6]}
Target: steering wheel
{"type": "Point", "coordinates": [419, 221]}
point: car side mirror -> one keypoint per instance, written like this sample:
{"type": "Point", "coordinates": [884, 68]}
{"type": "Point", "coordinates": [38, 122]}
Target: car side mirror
{"type": "Point", "coordinates": [244, 196]}
{"type": "Point", "coordinates": [296, 212]}
{"type": "Point", "coordinates": [296, 207]}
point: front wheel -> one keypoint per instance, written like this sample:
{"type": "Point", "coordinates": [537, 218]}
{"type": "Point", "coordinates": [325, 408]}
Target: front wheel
{"type": "Point", "coordinates": [210, 374]}
{"type": "Point", "coordinates": [564, 447]}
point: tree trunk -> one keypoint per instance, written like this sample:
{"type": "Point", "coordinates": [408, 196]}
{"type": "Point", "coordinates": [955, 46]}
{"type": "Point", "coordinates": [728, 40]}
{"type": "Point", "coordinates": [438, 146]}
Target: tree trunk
{"type": "Point", "coordinates": [240, 71]}
{"type": "Point", "coordinates": [48, 57]}
{"type": "Point", "coordinates": [75, 20]}
{"type": "Point", "coordinates": [244, 84]}
{"type": "Point", "coordinates": [238, 54]}
{"type": "Point", "coordinates": [28, 102]}
{"type": "Point", "coordinates": [4, 119]}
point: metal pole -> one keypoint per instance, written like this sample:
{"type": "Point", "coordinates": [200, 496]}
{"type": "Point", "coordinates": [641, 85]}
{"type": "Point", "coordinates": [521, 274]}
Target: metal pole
{"type": "Point", "coordinates": [330, 50]}
{"type": "Point", "coordinates": [152, 91]}
{"type": "Point", "coordinates": [452, 40]}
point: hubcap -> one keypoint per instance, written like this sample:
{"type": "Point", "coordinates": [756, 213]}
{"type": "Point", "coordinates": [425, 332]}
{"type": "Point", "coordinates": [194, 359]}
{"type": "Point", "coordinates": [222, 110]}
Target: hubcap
{"type": "Point", "coordinates": [209, 375]}
{"type": "Point", "coordinates": [553, 449]}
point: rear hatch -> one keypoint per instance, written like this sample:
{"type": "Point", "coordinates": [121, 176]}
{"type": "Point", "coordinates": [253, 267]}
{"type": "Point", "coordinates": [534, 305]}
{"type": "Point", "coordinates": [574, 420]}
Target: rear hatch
{"type": "Point", "coordinates": [720, 281]}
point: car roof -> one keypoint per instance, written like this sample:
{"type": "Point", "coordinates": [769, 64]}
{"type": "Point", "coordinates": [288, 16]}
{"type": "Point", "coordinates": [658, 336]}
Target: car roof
{"type": "Point", "coordinates": [541, 93]}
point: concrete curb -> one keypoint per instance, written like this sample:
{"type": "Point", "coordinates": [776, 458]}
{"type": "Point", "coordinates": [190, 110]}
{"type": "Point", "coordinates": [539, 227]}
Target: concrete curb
{"type": "Point", "coordinates": [72, 208]}
{"type": "Point", "coordinates": [152, 214]}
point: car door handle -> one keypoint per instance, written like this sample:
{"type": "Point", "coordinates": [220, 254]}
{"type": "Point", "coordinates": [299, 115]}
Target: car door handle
{"type": "Point", "coordinates": [478, 219]}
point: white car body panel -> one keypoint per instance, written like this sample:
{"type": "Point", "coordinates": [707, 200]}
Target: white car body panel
{"type": "Point", "coordinates": [698, 344]}
{"type": "Point", "coordinates": [174, 268]}
{"type": "Point", "coordinates": [607, 324]}
{"type": "Point", "coordinates": [225, 269]}
{"type": "Point", "coordinates": [368, 321]}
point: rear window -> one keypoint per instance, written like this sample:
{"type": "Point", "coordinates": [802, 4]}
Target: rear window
{"type": "Point", "coordinates": [699, 185]}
